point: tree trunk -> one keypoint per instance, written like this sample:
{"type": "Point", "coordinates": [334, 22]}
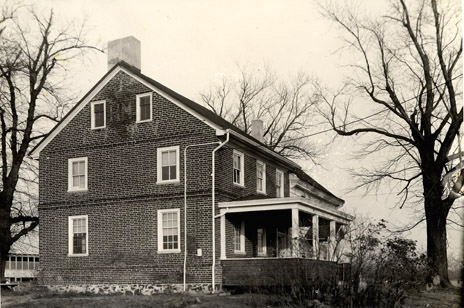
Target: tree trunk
{"type": "Point", "coordinates": [3, 259]}
{"type": "Point", "coordinates": [5, 233]}
{"type": "Point", "coordinates": [436, 212]}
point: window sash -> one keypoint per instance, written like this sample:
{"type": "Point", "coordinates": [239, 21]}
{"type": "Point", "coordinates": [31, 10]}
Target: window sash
{"type": "Point", "coordinates": [99, 115]}
{"type": "Point", "coordinates": [144, 107]}
{"type": "Point", "coordinates": [145, 112]}
{"type": "Point", "coordinates": [77, 177]}
{"type": "Point", "coordinates": [238, 164]}
{"type": "Point", "coordinates": [279, 184]}
{"type": "Point", "coordinates": [237, 233]}
{"type": "Point", "coordinates": [260, 177]}
{"type": "Point", "coordinates": [261, 236]}
{"type": "Point", "coordinates": [78, 235]}
{"type": "Point", "coordinates": [169, 230]}
{"type": "Point", "coordinates": [79, 243]}
{"type": "Point", "coordinates": [239, 237]}
{"type": "Point", "coordinates": [168, 165]}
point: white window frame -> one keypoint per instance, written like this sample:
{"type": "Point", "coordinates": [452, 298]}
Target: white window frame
{"type": "Point", "coordinates": [263, 191]}
{"type": "Point", "coordinates": [70, 175]}
{"type": "Point", "coordinates": [282, 181]}
{"type": "Point", "coordinates": [263, 253]}
{"type": "Point", "coordinates": [137, 107]}
{"type": "Point", "coordinates": [160, 231]}
{"type": "Point", "coordinates": [242, 168]}
{"type": "Point", "coordinates": [92, 114]}
{"type": "Point", "coordinates": [240, 251]}
{"type": "Point", "coordinates": [70, 236]}
{"type": "Point", "coordinates": [159, 179]}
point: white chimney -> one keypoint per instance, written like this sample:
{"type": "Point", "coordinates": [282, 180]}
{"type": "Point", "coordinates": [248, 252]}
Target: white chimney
{"type": "Point", "coordinates": [257, 130]}
{"type": "Point", "coordinates": [125, 49]}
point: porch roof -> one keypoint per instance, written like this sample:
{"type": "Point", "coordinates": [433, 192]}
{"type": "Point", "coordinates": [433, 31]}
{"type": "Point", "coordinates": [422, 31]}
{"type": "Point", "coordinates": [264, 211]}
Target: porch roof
{"type": "Point", "coordinates": [272, 204]}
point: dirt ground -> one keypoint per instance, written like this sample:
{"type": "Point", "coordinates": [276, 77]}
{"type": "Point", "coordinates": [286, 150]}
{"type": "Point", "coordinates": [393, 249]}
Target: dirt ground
{"type": "Point", "coordinates": [431, 299]}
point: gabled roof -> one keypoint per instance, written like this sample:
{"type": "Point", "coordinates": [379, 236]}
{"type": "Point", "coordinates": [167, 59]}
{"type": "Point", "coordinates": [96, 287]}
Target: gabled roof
{"type": "Point", "coordinates": [197, 110]}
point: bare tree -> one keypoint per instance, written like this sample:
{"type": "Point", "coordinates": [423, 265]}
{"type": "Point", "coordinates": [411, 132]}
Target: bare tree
{"type": "Point", "coordinates": [286, 108]}
{"type": "Point", "coordinates": [34, 54]}
{"type": "Point", "coordinates": [408, 78]}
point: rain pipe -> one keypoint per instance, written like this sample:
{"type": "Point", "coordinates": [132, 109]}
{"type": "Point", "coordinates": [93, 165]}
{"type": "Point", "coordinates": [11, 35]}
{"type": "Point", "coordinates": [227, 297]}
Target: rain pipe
{"type": "Point", "coordinates": [185, 205]}
{"type": "Point", "coordinates": [185, 199]}
{"type": "Point", "coordinates": [213, 209]}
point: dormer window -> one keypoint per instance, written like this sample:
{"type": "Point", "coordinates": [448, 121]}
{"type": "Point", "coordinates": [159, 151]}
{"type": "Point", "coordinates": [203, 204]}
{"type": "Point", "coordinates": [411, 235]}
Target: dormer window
{"type": "Point", "coordinates": [98, 114]}
{"type": "Point", "coordinates": [144, 107]}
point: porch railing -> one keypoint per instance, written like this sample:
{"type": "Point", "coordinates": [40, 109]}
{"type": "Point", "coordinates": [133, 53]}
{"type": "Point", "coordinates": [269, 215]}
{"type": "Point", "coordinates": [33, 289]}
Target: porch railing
{"type": "Point", "coordinates": [282, 271]}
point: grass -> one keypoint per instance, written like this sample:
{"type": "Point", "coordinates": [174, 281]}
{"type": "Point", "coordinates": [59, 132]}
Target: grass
{"type": "Point", "coordinates": [46, 299]}
{"type": "Point", "coordinates": [34, 298]}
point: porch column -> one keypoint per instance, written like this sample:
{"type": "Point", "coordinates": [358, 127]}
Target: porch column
{"type": "Point", "coordinates": [223, 236]}
{"type": "Point", "coordinates": [332, 242]}
{"type": "Point", "coordinates": [296, 233]}
{"type": "Point", "coordinates": [315, 237]}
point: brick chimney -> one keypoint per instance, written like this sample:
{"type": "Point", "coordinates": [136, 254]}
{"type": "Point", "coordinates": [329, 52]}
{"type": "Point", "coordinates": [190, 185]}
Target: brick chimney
{"type": "Point", "coordinates": [124, 49]}
{"type": "Point", "coordinates": [257, 130]}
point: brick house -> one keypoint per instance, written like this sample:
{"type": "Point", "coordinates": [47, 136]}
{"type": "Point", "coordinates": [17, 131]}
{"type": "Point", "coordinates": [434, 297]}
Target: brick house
{"type": "Point", "coordinates": [141, 186]}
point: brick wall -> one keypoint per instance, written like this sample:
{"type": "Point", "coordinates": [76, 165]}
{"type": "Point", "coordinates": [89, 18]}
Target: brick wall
{"type": "Point", "coordinates": [123, 198]}
{"type": "Point", "coordinates": [231, 191]}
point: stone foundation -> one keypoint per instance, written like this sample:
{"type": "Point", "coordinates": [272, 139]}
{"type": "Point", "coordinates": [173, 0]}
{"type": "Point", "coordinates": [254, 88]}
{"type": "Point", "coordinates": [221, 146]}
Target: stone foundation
{"type": "Point", "coordinates": [133, 289]}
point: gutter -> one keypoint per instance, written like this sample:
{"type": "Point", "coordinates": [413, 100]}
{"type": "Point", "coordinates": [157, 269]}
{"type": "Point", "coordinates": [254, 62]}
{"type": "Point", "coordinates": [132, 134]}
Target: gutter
{"type": "Point", "coordinates": [265, 149]}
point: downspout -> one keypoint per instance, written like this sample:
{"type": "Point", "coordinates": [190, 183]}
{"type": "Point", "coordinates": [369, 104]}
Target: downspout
{"type": "Point", "coordinates": [185, 206]}
{"type": "Point", "coordinates": [213, 209]}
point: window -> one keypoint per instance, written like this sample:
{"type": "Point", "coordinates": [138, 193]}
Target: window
{"type": "Point", "coordinates": [77, 174]}
{"type": "Point", "coordinates": [239, 238]}
{"type": "Point", "coordinates": [31, 263]}
{"type": "Point", "coordinates": [168, 165]}
{"type": "Point", "coordinates": [25, 265]}
{"type": "Point", "coordinates": [260, 177]}
{"type": "Point", "coordinates": [36, 263]}
{"type": "Point", "coordinates": [238, 162]}
{"type": "Point", "coordinates": [144, 107]}
{"type": "Point", "coordinates": [78, 241]}
{"type": "Point", "coordinates": [98, 114]}
{"type": "Point", "coordinates": [279, 184]}
{"type": "Point", "coordinates": [19, 263]}
{"type": "Point", "coordinates": [261, 242]}
{"type": "Point", "coordinates": [169, 230]}
{"type": "Point", "coordinates": [13, 262]}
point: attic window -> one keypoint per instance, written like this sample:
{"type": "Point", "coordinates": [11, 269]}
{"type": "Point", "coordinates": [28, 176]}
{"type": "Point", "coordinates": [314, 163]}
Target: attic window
{"type": "Point", "coordinates": [144, 107]}
{"type": "Point", "coordinates": [98, 115]}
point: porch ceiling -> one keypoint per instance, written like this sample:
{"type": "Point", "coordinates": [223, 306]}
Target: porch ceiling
{"type": "Point", "coordinates": [272, 204]}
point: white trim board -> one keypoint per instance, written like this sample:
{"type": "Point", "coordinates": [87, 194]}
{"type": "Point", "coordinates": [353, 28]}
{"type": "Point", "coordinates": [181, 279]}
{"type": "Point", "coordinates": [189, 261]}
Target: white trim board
{"type": "Point", "coordinates": [284, 204]}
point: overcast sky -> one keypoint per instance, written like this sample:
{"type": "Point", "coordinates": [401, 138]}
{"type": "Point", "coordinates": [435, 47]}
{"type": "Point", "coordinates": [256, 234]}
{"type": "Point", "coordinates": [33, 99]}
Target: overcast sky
{"type": "Point", "coordinates": [188, 45]}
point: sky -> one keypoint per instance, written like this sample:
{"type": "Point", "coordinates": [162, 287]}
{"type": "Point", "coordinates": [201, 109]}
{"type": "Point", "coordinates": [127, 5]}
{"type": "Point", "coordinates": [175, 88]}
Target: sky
{"type": "Point", "coordinates": [188, 45]}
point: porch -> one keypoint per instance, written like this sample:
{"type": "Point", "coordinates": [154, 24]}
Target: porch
{"type": "Point", "coordinates": [279, 240]}
{"type": "Point", "coordinates": [281, 272]}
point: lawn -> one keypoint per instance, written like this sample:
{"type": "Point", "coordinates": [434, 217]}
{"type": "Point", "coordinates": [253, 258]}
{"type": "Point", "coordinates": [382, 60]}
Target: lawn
{"type": "Point", "coordinates": [431, 299]}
